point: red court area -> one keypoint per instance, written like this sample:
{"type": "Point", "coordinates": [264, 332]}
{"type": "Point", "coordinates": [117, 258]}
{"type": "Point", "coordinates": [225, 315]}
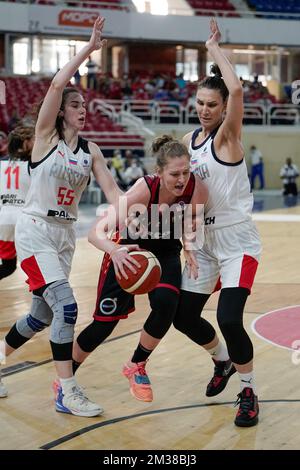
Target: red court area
{"type": "Point", "coordinates": [280, 327]}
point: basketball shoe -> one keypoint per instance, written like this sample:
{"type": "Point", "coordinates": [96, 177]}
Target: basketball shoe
{"type": "Point", "coordinates": [247, 414]}
{"type": "Point", "coordinates": [140, 385]}
{"type": "Point", "coordinates": [222, 372]}
{"type": "Point", "coordinates": [76, 403]}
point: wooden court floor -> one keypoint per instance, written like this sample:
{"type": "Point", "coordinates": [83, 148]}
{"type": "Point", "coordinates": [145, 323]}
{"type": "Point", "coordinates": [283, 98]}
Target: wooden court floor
{"type": "Point", "coordinates": [181, 417]}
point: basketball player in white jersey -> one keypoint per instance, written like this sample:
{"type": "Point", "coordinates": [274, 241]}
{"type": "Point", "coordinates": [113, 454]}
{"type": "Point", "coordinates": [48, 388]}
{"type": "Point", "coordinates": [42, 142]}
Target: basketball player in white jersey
{"type": "Point", "coordinates": [229, 257]}
{"type": "Point", "coordinates": [45, 239]}
{"type": "Point", "coordinates": [14, 184]}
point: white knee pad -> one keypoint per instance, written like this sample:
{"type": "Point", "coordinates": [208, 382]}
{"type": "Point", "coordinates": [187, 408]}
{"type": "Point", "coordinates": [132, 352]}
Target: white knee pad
{"type": "Point", "coordinates": [59, 296]}
{"type": "Point", "coordinates": [39, 317]}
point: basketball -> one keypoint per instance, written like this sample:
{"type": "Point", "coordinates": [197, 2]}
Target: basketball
{"type": "Point", "coordinates": [147, 276]}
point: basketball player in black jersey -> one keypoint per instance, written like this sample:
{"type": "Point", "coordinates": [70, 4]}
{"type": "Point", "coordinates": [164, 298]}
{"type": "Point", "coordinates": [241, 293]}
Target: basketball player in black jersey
{"type": "Point", "coordinates": [172, 185]}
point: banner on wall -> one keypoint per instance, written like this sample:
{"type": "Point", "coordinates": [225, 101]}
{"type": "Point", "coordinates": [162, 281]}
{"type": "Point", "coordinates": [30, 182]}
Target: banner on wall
{"type": "Point", "coordinates": [65, 21]}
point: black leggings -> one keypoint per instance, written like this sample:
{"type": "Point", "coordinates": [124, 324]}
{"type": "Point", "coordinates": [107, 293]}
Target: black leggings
{"type": "Point", "coordinates": [230, 311]}
{"type": "Point", "coordinates": [94, 334]}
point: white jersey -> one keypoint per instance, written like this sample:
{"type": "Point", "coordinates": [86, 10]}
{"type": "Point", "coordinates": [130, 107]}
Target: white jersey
{"type": "Point", "coordinates": [57, 183]}
{"type": "Point", "coordinates": [14, 185]}
{"type": "Point", "coordinates": [229, 198]}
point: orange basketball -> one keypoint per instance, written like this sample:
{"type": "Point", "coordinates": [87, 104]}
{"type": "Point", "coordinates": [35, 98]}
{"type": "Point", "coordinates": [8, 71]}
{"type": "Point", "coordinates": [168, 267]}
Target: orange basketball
{"type": "Point", "coordinates": [147, 276]}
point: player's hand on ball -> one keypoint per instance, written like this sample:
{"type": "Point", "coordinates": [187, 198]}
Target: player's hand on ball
{"type": "Point", "coordinates": [120, 256]}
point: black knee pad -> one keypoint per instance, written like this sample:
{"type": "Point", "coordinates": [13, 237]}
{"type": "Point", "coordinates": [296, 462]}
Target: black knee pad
{"type": "Point", "coordinates": [94, 334]}
{"type": "Point", "coordinates": [7, 267]}
{"type": "Point", "coordinates": [230, 319]}
{"type": "Point", "coordinates": [190, 306]}
{"type": "Point", "coordinates": [188, 318]}
{"type": "Point", "coordinates": [164, 303]}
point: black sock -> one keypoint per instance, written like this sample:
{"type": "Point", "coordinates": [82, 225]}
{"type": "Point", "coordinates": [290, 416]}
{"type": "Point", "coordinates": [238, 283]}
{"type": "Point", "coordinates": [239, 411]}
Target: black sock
{"type": "Point", "coordinates": [75, 365]}
{"type": "Point", "coordinates": [141, 354]}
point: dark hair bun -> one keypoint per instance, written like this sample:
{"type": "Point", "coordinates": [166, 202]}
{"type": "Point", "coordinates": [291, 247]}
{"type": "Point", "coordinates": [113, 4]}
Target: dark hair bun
{"type": "Point", "coordinates": [160, 141]}
{"type": "Point", "coordinates": [214, 69]}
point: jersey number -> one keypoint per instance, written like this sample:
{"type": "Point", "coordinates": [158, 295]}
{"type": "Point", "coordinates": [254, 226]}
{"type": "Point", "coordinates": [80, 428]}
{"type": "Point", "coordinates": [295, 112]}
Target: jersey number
{"type": "Point", "coordinates": [10, 172]}
{"type": "Point", "coordinates": [65, 196]}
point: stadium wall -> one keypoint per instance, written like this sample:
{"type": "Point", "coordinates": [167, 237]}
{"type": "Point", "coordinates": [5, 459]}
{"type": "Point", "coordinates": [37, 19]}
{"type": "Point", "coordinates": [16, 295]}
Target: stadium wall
{"type": "Point", "coordinates": [67, 21]}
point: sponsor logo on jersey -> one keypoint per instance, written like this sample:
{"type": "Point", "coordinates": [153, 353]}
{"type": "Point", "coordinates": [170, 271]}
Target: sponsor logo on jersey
{"type": "Point", "coordinates": [108, 306]}
{"type": "Point", "coordinates": [12, 200]}
{"type": "Point", "coordinates": [85, 163]}
{"type": "Point", "coordinates": [60, 214]}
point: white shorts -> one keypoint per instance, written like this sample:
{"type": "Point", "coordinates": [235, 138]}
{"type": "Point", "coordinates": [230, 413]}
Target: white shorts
{"type": "Point", "coordinates": [228, 258]}
{"type": "Point", "coordinates": [45, 250]}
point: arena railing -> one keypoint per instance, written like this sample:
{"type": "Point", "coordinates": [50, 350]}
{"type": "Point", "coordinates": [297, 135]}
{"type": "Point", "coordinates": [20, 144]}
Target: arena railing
{"type": "Point", "coordinates": [172, 112]}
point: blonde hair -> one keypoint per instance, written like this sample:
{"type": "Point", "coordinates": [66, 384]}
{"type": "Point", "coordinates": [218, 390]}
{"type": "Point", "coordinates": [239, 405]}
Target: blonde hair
{"type": "Point", "coordinates": [166, 147]}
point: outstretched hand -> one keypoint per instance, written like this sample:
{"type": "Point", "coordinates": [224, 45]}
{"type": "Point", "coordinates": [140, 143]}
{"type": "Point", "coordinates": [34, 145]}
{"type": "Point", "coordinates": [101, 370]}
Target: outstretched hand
{"type": "Point", "coordinates": [215, 34]}
{"type": "Point", "coordinates": [96, 42]}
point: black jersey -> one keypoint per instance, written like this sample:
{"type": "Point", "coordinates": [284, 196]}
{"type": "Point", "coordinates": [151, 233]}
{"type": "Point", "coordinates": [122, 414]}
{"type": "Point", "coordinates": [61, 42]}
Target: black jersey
{"type": "Point", "coordinates": [160, 231]}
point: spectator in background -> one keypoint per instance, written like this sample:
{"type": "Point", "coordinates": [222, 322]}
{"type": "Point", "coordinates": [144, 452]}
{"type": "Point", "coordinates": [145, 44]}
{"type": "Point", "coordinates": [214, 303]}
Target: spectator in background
{"type": "Point", "coordinates": [257, 167]}
{"type": "Point", "coordinates": [77, 78]}
{"type": "Point", "coordinates": [14, 121]}
{"type": "Point", "coordinates": [128, 159]}
{"type": "Point", "coordinates": [92, 68]}
{"type": "Point", "coordinates": [117, 161]}
{"type": "Point", "coordinates": [289, 173]}
{"type": "Point", "coordinates": [133, 173]}
{"type": "Point", "coordinates": [117, 171]}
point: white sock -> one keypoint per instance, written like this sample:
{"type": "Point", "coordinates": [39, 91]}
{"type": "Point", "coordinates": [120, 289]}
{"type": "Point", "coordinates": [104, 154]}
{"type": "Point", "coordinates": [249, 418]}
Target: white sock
{"type": "Point", "coordinates": [219, 352]}
{"type": "Point", "coordinates": [67, 384]}
{"type": "Point", "coordinates": [247, 380]}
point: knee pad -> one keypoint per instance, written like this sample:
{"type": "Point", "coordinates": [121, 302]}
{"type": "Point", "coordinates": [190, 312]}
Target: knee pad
{"type": "Point", "coordinates": [39, 317]}
{"type": "Point", "coordinates": [230, 319]}
{"type": "Point", "coordinates": [7, 267]}
{"type": "Point", "coordinates": [189, 309]}
{"type": "Point", "coordinates": [59, 296]}
{"type": "Point", "coordinates": [188, 318]}
{"type": "Point", "coordinates": [164, 304]}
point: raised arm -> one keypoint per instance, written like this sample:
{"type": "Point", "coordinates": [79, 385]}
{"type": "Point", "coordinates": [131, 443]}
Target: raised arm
{"type": "Point", "coordinates": [48, 113]}
{"type": "Point", "coordinates": [232, 123]}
